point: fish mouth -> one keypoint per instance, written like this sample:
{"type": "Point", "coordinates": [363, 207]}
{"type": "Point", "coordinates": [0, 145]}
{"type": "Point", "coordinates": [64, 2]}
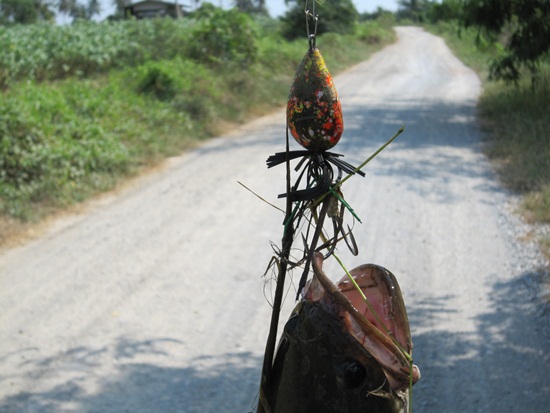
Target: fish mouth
{"type": "Point", "coordinates": [379, 323]}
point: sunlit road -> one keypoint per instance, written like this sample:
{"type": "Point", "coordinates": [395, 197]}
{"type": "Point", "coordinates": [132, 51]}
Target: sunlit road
{"type": "Point", "coordinates": [153, 301]}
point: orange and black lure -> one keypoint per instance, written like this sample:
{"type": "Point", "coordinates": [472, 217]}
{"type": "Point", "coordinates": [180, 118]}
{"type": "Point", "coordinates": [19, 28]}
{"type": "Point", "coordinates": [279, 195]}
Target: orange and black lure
{"type": "Point", "coordinates": [314, 113]}
{"type": "Point", "coordinates": [315, 120]}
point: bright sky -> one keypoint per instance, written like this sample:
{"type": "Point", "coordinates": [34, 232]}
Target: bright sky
{"type": "Point", "coordinates": [275, 7]}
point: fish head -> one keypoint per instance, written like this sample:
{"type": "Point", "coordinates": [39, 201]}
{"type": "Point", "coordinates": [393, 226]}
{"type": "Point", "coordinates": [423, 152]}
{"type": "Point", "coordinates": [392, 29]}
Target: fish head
{"type": "Point", "coordinates": [328, 361]}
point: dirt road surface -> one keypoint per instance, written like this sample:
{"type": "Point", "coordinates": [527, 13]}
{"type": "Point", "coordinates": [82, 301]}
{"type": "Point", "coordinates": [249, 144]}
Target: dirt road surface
{"type": "Point", "coordinates": [152, 300]}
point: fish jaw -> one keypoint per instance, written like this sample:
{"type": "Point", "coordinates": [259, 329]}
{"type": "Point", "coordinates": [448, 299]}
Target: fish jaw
{"type": "Point", "coordinates": [320, 368]}
{"type": "Point", "coordinates": [380, 324]}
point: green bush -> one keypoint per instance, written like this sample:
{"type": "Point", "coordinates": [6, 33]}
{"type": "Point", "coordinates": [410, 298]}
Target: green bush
{"type": "Point", "coordinates": [158, 81]}
{"type": "Point", "coordinates": [372, 32]}
{"type": "Point", "coordinates": [45, 51]}
{"type": "Point", "coordinates": [49, 140]}
{"type": "Point", "coordinates": [220, 37]}
{"type": "Point", "coordinates": [48, 52]}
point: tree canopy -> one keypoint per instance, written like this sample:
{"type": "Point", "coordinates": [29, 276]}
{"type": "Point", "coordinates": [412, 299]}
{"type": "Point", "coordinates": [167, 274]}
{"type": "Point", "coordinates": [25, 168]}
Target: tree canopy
{"type": "Point", "coordinates": [523, 26]}
{"type": "Point", "coordinates": [33, 11]}
{"type": "Point", "coordinates": [79, 10]}
{"type": "Point", "coordinates": [26, 11]}
{"type": "Point", "coordinates": [334, 16]}
{"type": "Point", "coordinates": [251, 6]}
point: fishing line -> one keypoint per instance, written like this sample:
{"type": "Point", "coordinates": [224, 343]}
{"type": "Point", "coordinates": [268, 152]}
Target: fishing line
{"type": "Point", "coordinates": [314, 119]}
{"type": "Point", "coordinates": [311, 14]}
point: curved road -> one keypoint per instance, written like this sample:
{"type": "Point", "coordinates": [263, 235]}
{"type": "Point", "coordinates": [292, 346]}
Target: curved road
{"type": "Point", "coordinates": [153, 301]}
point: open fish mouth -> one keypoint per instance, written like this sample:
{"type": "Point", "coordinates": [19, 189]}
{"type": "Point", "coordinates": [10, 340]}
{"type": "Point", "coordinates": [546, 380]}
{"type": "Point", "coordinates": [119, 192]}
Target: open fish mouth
{"type": "Point", "coordinates": [375, 316]}
{"type": "Point", "coordinates": [339, 354]}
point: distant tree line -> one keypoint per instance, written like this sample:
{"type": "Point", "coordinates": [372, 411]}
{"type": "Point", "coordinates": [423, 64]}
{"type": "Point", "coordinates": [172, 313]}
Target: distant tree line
{"type": "Point", "coordinates": [34, 11]}
{"type": "Point", "coordinates": [521, 26]}
{"type": "Point", "coordinates": [334, 16]}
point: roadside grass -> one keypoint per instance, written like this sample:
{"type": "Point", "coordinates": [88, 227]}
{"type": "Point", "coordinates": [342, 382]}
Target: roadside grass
{"type": "Point", "coordinates": [63, 140]}
{"type": "Point", "coordinates": [516, 125]}
{"type": "Point", "coordinates": [518, 120]}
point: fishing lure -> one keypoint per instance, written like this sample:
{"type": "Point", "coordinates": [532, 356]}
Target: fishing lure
{"type": "Point", "coordinates": [314, 113]}
{"type": "Point", "coordinates": [315, 120]}
{"type": "Point", "coordinates": [328, 360]}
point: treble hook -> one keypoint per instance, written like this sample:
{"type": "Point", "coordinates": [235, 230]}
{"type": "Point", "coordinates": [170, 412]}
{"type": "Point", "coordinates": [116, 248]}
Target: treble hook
{"type": "Point", "coordinates": [311, 37]}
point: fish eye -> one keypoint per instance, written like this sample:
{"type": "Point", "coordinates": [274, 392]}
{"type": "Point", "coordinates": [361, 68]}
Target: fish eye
{"type": "Point", "coordinates": [352, 374]}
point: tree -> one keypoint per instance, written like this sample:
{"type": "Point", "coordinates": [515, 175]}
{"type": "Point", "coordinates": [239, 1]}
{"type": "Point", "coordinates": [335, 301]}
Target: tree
{"type": "Point", "coordinates": [337, 17]}
{"type": "Point", "coordinates": [120, 5]}
{"type": "Point", "coordinates": [379, 13]}
{"type": "Point", "coordinates": [417, 10]}
{"type": "Point", "coordinates": [25, 11]}
{"type": "Point", "coordinates": [251, 6]}
{"type": "Point", "coordinates": [445, 11]}
{"type": "Point", "coordinates": [522, 25]}
{"type": "Point", "coordinates": [78, 10]}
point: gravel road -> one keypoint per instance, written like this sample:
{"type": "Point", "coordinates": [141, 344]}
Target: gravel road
{"type": "Point", "coordinates": [152, 300]}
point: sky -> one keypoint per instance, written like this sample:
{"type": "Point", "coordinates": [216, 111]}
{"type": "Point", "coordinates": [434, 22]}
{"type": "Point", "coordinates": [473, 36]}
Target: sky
{"type": "Point", "coordinates": [276, 7]}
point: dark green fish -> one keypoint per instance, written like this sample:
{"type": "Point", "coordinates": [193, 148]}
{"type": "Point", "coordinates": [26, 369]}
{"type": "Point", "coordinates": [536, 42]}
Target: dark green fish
{"type": "Point", "coordinates": [336, 355]}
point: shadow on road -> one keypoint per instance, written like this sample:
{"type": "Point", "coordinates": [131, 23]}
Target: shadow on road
{"type": "Point", "coordinates": [209, 384]}
{"type": "Point", "coordinates": [505, 335]}
{"type": "Point", "coordinates": [438, 150]}
{"type": "Point", "coordinates": [107, 379]}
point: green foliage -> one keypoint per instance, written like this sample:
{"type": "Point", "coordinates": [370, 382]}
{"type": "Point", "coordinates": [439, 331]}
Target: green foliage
{"type": "Point", "coordinates": [251, 6]}
{"type": "Point", "coordinates": [25, 11]}
{"type": "Point", "coordinates": [154, 39]}
{"type": "Point", "coordinates": [47, 52]}
{"type": "Point", "coordinates": [335, 17]}
{"type": "Point", "coordinates": [414, 10]}
{"type": "Point", "coordinates": [219, 37]}
{"type": "Point", "coordinates": [518, 122]}
{"type": "Point", "coordinates": [447, 10]}
{"type": "Point", "coordinates": [189, 85]}
{"type": "Point", "coordinates": [49, 140]}
{"type": "Point", "coordinates": [121, 102]}
{"type": "Point", "coordinates": [376, 32]}
{"type": "Point", "coordinates": [44, 51]}
{"type": "Point", "coordinates": [159, 79]}
{"type": "Point", "coordinates": [517, 126]}
{"type": "Point", "coordinates": [522, 26]}
{"type": "Point", "coordinates": [79, 9]}
{"type": "Point", "coordinates": [538, 205]}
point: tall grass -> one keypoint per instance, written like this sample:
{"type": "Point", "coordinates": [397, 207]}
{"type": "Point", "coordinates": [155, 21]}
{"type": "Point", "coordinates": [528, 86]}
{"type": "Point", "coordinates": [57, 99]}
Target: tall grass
{"type": "Point", "coordinates": [517, 122]}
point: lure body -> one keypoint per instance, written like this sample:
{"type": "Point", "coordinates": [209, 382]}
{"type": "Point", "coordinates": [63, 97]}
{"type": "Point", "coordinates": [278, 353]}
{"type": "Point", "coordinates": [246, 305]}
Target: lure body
{"type": "Point", "coordinates": [314, 113]}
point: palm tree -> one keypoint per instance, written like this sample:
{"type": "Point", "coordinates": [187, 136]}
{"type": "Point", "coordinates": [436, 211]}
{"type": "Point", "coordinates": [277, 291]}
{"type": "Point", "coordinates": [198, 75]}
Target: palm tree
{"type": "Point", "coordinates": [79, 10]}
{"type": "Point", "coordinates": [26, 11]}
